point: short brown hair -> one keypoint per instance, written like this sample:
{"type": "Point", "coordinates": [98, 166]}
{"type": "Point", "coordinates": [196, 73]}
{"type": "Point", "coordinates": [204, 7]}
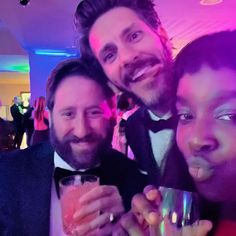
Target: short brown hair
{"type": "Point", "coordinates": [81, 67]}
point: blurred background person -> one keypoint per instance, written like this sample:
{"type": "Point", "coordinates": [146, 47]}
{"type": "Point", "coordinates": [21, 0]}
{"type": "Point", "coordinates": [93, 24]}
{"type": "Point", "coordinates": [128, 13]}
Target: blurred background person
{"type": "Point", "coordinates": [6, 134]}
{"type": "Point", "coordinates": [41, 123]}
{"type": "Point", "coordinates": [125, 107]}
{"type": "Point", "coordinates": [17, 115]}
{"type": "Point", "coordinates": [28, 123]}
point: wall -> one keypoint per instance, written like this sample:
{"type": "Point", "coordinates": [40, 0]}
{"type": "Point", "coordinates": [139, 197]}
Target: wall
{"type": "Point", "coordinates": [12, 83]}
{"type": "Point", "coordinates": [40, 69]}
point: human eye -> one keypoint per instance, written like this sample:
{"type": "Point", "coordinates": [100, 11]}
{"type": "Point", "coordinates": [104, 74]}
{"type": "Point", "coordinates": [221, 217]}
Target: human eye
{"type": "Point", "coordinates": [228, 117]}
{"type": "Point", "coordinates": [135, 36]}
{"type": "Point", "coordinates": [185, 117]}
{"type": "Point", "coordinates": [94, 113]}
{"type": "Point", "coordinates": [67, 114]}
{"type": "Point", "coordinates": [109, 57]}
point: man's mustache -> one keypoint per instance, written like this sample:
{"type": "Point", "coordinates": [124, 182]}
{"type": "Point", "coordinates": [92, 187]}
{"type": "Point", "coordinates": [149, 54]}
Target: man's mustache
{"type": "Point", "coordinates": [86, 139]}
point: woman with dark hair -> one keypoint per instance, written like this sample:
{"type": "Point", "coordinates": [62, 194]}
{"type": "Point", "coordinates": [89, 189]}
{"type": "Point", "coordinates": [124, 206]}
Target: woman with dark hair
{"type": "Point", "coordinates": [41, 123]}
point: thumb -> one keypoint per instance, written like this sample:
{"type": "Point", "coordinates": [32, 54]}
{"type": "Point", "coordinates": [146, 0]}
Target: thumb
{"type": "Point", "coordinates": [203, 227]}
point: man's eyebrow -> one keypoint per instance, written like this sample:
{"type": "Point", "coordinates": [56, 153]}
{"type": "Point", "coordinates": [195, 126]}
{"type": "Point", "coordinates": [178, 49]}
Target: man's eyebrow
{"type": "Point", "coordinates": [107, 47]}
{"type": "Point", "coordinates": [127, 30]}
{"type": "Point", "coordinates": [111, 46]}
{"type": "Point", "coordinates": [66, 108]}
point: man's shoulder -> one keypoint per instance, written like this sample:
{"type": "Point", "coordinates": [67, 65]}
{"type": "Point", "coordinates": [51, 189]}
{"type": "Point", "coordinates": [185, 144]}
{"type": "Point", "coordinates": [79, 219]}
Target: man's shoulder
{"type": "Point", "coordinates": [34, 152]}
{"type": "Point", "coordinates": [119, 160]}
{"type": "Point", "coordinates": [137, 116]}
{"type": "Point", "coordinates": [13, 106]}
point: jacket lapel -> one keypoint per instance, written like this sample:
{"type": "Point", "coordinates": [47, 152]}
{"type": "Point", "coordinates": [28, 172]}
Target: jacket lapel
{"type": "Point", "coordinates": [140, 143]}
{"type": "Point", "coordinates": [36, 194]}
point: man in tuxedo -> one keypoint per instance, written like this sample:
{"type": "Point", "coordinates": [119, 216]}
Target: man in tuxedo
{"type": "Point", "coordinates": [136, 57]}
{"type": "Point", "coordinates": [82, 117]}
{"type": "Point", "coordinates": [17, 115]}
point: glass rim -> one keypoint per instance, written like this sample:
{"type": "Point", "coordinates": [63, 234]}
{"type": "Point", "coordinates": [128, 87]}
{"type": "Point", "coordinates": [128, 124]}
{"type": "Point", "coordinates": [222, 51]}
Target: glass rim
{"type": "Point", "coordinates": [177, 190]}
{"type": "Point", "coordinates": [63, 181]}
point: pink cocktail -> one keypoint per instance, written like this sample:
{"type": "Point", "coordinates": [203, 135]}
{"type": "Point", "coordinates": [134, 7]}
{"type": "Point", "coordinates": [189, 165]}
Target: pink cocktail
{"type": "Point", "coordinates": [71, 189]}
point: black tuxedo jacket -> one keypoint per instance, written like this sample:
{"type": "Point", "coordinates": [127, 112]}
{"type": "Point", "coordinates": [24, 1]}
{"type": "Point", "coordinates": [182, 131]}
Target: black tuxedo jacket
{"type": "Point", "coordinates": [25, 187]}
{"type": "Point", "coordinates": [175, 173]}
{"type": "Point", "coordinates": [17, 116]}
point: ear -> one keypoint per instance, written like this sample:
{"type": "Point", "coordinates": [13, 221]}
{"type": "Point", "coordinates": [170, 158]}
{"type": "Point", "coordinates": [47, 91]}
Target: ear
{"type": "Point", "coordinates": [164, 38]}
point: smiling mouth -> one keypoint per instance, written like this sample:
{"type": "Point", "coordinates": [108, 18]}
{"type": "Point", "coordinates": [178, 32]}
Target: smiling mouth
{"type": "Point", "coordinates": [81, 145]}
{"type": "Point", "coordinates": [145, 73]}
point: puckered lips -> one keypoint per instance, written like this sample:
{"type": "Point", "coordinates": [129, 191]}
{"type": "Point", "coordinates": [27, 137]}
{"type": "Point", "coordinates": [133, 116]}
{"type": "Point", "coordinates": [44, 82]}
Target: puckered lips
{"type": "Point", "coordinates": [200, 169]}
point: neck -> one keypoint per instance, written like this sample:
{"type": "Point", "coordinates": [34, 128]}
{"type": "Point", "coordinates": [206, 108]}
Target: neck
{"type": "Point", "coordinates": [160, 111]}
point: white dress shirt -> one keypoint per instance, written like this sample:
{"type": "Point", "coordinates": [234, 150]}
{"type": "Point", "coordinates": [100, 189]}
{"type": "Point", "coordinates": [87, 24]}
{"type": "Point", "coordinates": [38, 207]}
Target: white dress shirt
{"type": "Point", "coordinates": [161, 141]}
{"type": "Point", "coordinates": [56, 227]}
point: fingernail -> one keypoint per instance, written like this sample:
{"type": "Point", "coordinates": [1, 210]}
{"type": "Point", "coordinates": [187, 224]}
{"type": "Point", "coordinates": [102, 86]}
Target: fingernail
{"type": "Point", "coordinates": [154, 218]}
{"type": "Point", "coordinates": [152, 194]}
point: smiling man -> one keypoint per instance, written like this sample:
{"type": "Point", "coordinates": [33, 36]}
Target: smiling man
{"type": "Point", "coordinates": [82, 118]}
{"type": "Point", "coordinates": [127, 39]}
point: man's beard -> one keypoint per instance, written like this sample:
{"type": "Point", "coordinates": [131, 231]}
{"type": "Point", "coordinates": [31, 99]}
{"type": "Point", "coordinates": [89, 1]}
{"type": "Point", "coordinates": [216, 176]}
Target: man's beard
{"type": "Point", "coordinates": [161, 89]}
{"type": "Point", "coordinates": [83, 159]}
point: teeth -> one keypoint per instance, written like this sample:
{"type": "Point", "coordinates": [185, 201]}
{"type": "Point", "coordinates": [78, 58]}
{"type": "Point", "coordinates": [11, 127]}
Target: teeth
{"type": "Point", "coordinates": [140, 73]}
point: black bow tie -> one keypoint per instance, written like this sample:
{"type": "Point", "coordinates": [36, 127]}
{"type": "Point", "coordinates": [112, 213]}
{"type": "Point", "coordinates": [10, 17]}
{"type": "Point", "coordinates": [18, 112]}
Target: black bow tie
{"type": "Point", "coordinates": [60, 173]}
{"type": "Point", "coordinates": [158, 125]}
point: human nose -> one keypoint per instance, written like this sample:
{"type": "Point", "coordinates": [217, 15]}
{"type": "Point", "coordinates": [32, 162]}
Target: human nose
{"type": "Point", "coordinates": [81, 126]}
{"type": "Point", "coordinates": [127, 56]}
{"type": "Point", "coordinates": [202, 138]}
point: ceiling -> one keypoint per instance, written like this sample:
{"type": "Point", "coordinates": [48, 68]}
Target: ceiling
{"type": "Point", "coordinates": [48, 25]}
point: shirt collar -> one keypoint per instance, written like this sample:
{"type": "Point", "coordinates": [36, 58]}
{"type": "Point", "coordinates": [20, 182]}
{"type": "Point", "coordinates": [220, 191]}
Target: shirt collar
{"type": "Point", "coordinates": [155, 117]}
{"type": "Point", "coordinates": [59, 162]}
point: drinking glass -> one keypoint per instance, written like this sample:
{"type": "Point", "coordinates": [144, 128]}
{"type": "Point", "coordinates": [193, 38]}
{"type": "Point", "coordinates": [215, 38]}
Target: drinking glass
{"type": "Point", "coordinates": [71, 189]}
{"type": "Point", "coordinates": [181, 208]}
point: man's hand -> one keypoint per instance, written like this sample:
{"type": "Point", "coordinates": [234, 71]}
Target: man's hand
{"type": "Point", "coordinates": [107, 203]}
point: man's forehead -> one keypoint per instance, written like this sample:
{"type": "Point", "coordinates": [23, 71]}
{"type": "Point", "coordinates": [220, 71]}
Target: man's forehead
{"type": "Point", "coordinates": [79, 90]}
{"type": "Point", "coordinates": [112, 24]}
